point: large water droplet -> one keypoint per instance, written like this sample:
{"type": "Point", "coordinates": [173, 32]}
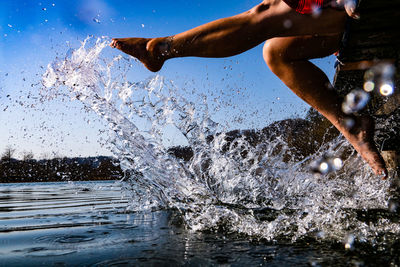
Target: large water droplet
{"type": "Point", "coordinates": [369, 86]}
{"type": "Point", "coordinates": [355, 101]}
{"type": "Point", "coordinates": [386, 89]}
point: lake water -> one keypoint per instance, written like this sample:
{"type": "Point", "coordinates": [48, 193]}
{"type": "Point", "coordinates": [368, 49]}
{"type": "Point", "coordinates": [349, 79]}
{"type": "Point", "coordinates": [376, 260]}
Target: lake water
{"type": "Point", "coordinates": [88, 224]}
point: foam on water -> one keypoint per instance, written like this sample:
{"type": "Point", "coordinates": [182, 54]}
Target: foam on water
{"type": "Point", "coordinates": [259, 192]}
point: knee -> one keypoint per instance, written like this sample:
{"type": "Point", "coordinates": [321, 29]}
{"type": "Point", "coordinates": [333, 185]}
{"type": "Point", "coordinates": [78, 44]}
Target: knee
{"type": "Point", "coordinates": [272, 55]}
{"type": "Point", "coordinates": [262, 7]}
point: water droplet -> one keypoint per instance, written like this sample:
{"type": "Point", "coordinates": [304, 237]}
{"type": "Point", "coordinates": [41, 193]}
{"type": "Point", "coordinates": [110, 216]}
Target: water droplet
{"type": "Point", "coordinates": [287, 24]}
{"type": "Point", "coordinates": [393, 205]}
{"type": "Point", "coordinates": [321, 234]}
{"type": "Point", "coordinates": [315, 264]}
{"type": "Point", "coordinates": [44, 9]}
{"type": "Point", "coordinates": [388, 70]}
{"type": "Point", "coordinates": [337, 164]}
{"type": "Point", "coordinates": [369, 75]}
{"type": "Point", "coordinates": [386, 89]}
{"type": "Point", "coordinates": [349, 242]}
{"type": "Point", "coordinates": [350, 4]}
{"type": "Point", "coordinates": [53, 4]}
{"type": "Point", "coordinates": [324, 167]}
{"type": "Point", "coordinates": [355, 101]}
{"type": "Point", "coordinates": [316, 11]}
{"type": "Point", "coordinates": [9, 25]}
{"type": "Point", "coordinates": [349, 123]}
{"type": "Point", "coordinates": [369, 86]}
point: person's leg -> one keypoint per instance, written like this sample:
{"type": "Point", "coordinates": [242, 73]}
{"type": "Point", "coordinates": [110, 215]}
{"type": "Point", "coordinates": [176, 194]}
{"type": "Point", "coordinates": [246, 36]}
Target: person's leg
{"type": "Point", "coordinates": [288, 58]}
{"type": "Point", "coordinates": [230, 36]}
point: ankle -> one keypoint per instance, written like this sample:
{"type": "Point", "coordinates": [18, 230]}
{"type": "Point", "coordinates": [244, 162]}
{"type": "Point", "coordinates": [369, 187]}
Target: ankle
{"type": "Point", "coordinates": [160, 48]}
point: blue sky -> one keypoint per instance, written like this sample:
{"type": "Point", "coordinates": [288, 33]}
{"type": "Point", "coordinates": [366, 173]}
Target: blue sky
{"type": "Point", "coordinates": [34, 32]}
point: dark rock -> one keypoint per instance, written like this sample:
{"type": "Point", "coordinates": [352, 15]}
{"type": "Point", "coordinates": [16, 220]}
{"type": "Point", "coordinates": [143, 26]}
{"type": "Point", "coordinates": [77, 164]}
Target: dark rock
{"type": "Point", "coordinates": [303, 137]}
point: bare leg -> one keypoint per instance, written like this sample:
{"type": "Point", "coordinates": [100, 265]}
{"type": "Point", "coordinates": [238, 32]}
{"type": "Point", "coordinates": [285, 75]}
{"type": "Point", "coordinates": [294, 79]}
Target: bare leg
{"type": "Point", "coordinates": [288, 58]}
{"type": "Point", "coordinates": [230, 36]}
{"type": "Point", "coordinates": [234, 35]}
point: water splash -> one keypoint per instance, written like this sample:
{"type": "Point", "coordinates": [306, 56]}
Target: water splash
{"type": "Point", "coordinates": [238, 183]}
{"type": "Point", "coordinates": [162, 179]}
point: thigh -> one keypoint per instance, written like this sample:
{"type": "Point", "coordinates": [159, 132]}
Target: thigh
{"type": "Point", "coordinates": [278, 19]}
{"type": "Point", "coordinates": [303, 47]}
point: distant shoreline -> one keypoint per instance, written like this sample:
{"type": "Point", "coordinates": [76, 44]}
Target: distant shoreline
{"type": "Point", "coordinates": [22, 180]}
{"type": "Point", "coordinates": [99, 168]}
{"type": "Point", "coordinates": [65, 181]}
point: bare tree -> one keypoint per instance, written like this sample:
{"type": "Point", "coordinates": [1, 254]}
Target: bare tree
{"type": "Point", "coordinates": [8, 154]}
{"type": "Point", "coordinates": [45, 156]}
{"type": "Point", "coordinates": [57, 155]}
{"type": "Point", "coordinates": [27, 155]}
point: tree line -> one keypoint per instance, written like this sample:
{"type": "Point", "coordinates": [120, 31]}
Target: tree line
{"type": "Point", "coordinates": [28, 169]}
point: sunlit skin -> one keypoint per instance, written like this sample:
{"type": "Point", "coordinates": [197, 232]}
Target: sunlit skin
{"type": "Point", "coordinates": [287, 52]}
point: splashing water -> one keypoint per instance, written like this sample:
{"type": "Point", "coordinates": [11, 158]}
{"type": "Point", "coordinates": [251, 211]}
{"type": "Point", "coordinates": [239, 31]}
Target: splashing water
{"type": "Point", "coordinates": [237, 185]}
{"type": "Point", "coordinates": [95, 85]}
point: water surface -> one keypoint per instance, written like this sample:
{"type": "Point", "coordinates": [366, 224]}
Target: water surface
{"type": "Point", "coordinates": [88, 224]}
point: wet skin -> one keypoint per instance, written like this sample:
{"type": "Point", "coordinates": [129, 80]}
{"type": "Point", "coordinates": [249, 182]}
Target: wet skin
{"type": "Point", "coordinates": [287, 53]}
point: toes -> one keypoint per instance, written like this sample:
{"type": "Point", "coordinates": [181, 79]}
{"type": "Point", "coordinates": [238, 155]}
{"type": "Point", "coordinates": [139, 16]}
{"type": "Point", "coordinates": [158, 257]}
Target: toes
{"type": "Point", "coordinates": [115, 43]}
{"type": "Point", "coordinates": [381, 172]}
{"type": "Point", "coordinates": [384, 174]}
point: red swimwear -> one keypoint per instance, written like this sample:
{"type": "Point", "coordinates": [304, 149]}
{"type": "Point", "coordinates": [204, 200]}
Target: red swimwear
{"type": "Point", "coordinates": [307, 6]}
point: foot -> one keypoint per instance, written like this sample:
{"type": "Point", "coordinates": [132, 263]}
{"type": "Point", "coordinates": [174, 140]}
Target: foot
{"type": "Point", "coordinates": [147, 50]}
{"type": "Point", "coordinates": [361, 136]}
